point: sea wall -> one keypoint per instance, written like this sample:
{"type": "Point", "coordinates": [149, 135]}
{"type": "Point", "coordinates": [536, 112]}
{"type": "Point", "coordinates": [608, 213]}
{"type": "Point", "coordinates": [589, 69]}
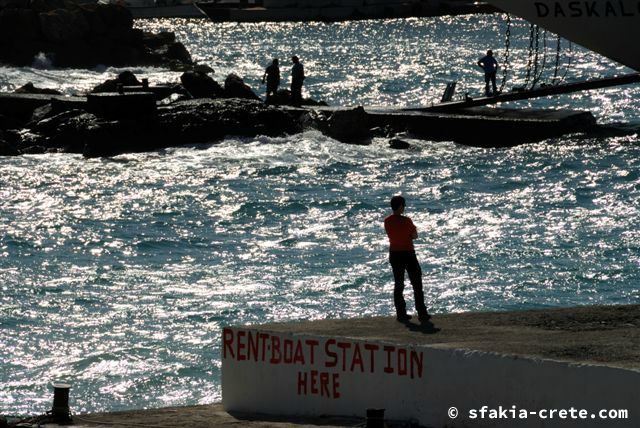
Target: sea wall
{"type": "Point", "coordinates": [306, 375]}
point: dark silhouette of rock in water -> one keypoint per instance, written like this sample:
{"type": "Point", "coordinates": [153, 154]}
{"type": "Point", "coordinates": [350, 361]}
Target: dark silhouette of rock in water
{"type": "Point", "coordinates": [200, 85]}
{"type": "Point", "coordinates": [99, 129]}
{"type": "Point", "coordinates": [348, 126]}
{"type": "Point", "coordinates": [399, 144]}
{"type": "Point", "coordinates": [82, 35]}
{"type": "Point", "coordinates": [29, 88]}
{"type": "Point", "coordinates": [126, 78]}
{"type": "Point", "coordinates": [234, 87]}
{"type": "Point", "coordinates": [7, 147]}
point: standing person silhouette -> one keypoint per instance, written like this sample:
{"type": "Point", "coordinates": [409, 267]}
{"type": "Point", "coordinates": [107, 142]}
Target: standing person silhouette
{"type": "Point", "coordinates": [402, 256]}
{"type": "Point", "coordinates": [272, 78]}
{"type": "Point", "coordinates": [297, 77]}
{"type": "Point", "coordinates": [490, 66]}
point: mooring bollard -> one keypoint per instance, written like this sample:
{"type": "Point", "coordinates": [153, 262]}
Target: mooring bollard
{"type": "Point", "coordinates": [375, 418]}
{"type": "Point", "coordinates": [61, 411]}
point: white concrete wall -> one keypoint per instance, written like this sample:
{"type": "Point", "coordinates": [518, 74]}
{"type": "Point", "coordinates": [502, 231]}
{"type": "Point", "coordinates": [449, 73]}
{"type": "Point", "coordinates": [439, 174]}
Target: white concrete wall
{"type": "Point", "coordinates": [288, 374]}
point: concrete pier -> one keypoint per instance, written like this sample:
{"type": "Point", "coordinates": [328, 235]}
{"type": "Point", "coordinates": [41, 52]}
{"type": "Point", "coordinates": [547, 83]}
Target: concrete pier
{"type": "Point", "coordinates": [548, 368]}
{"type": "Point", "coordinates": [487, 127]}
{"type": "Point", "coordinates": [559, 358]}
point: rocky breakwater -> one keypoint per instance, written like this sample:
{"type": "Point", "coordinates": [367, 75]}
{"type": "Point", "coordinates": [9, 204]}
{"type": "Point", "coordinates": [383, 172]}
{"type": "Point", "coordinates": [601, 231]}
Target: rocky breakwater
{"type": "Point", "coordinates": [79, 35]}
{"type": "Point", "coordinates": [138, 117]}
{"type": "Point", "coordinates": [126, 114]}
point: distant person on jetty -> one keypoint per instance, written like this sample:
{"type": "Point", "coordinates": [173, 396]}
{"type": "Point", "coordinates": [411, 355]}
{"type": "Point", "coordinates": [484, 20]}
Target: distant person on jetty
{"type": "Point", "coordinates": [272, 78]}
{"type": "Point", "coordinates": [490, 66]}
{"type": "Point", "coordinates": [402, 256]}
{"type": "Point", "coordinates": [297, 77]}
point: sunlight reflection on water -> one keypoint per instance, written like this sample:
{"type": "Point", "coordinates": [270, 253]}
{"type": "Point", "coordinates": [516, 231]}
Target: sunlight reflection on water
{"type": "Point", "coordinates": [117, 275]}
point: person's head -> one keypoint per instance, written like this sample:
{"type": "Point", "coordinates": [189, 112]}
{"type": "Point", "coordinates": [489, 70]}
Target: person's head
{"type": "Point", "coordinates": [294, 59]}
{"type": "Point", "coordinates": [275, 61]}
{"type": "Point", "coordinates": [398, 203]}
{"type": "Point", "coordinates": [489, 52]}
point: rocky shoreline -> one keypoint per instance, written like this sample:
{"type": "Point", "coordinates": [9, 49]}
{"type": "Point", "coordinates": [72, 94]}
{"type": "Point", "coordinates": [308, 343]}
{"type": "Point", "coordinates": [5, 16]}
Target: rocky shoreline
{"type": "Point", "coordinates": [79, 35]}
{"type": "Point", "coordinates": [127, 115]}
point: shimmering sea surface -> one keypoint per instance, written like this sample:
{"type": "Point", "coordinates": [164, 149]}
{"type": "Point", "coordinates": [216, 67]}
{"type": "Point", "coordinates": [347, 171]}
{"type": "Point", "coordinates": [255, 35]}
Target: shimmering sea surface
{"type": "Point", "coordinates": [116, 275]}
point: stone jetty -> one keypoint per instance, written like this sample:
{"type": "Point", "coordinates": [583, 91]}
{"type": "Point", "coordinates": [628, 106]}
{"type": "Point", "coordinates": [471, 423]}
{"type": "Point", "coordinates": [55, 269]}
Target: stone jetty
{"type": "Point", "coordinates": [126, 114]}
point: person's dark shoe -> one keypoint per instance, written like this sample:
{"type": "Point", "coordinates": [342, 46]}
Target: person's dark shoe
{"type": "Point", "coordinates": [424, 317]}
{"type": "Point", "coordinates": [403, 318]}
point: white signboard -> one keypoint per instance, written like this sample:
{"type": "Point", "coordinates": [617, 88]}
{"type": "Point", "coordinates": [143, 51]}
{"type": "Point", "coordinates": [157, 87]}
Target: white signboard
{"type": "Point", "coordinates": [288, 374]}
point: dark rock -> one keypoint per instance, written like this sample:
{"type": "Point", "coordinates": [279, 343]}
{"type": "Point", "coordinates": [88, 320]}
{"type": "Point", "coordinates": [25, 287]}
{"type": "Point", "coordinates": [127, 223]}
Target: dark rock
{"type": "Point", "coordinates": [207, 120]}
{"type": "Point", "coordinates": [203, 68]}
{"type": "Point", "coordinates": [68, 131]}
{"type": "Point", "coordinates": [33, 150]}
{"type": "Point", "coordinates": [63, 25]}
{"type": "Point", "coordinates": [283, 98]}
{"type": "Point", "coordinates": [174, 98]}
{"type": "Point", "coordinates": [52, 124]}
{"type": "Point", "coordinates": [349, 126]}
{"type": "Point", "coordinates": [115, 105]}
{"type": "Point", "coordinates": [30, 89]}
{"type": "Point", "coordinates": [115, 16]}
{"type": "Point", "coordinates": [78, 53]}
{"type": "Point", "coordinates": [312, 102]}
{"type": "Point", "coordinates": [3, 422]}
{"type": "Point", "coordinates": [25, 52]}
{"type": "Point", "coordinates": [178, 52]}
{"type": "Point", "coordinates": [9, 123]}
{"type": "Point", "coordinates": [182, 122]}
{"type": "Point", "coordinates": [59, 108]}
{"type": "Point", "coordinates": [82, 35]}
{"type": "Point", "coordinates": [398, 144]}
{"type": "Point", "coordinates": [234, 87]}
{"type": "Point", "coordinates": [124, 36]}
{"type": "Point", "coordinates": [97, 26]}
{"type": "Point", "coordinates": [43, 6]}
{"type": "Point", "coordinates": [40, 114]}
{"type": "Point", "coordinates": [7, 148]}
{"type": "Point", "coordinates": [19, 24]}
{"type": "Point", "coordinates": [126, 78]}
{"type": "Point", "coordinates": [177, 66]}
{"type": "Point", "coordinates": [159, 40]}
{"type": "Point", "coordinates": [14, 4]}
{"type": "Point", "coordinates": [385, 131]}
{"type": "Point", "coordinates": [199, 85]}
{"type": "Point", "coordinates": [110, 138]}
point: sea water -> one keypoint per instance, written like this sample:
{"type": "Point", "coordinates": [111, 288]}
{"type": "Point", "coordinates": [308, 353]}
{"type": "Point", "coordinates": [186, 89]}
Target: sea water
{"type": "Point", "coordinates": [117, 275]}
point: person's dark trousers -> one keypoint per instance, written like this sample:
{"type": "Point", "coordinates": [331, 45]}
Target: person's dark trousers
{"type": "Point", "coordinates": [272, 91]}
{"type": "Point", "coordinates": [402, 261]}
{"type": "Point", "coordinates": [490, 77]}
{"type": "Point", "coordinates": [296, 92]}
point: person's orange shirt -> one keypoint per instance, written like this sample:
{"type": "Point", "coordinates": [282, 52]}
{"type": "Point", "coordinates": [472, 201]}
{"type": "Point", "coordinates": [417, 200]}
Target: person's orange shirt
{"type": "Point", "coordinates": [400, 230]}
